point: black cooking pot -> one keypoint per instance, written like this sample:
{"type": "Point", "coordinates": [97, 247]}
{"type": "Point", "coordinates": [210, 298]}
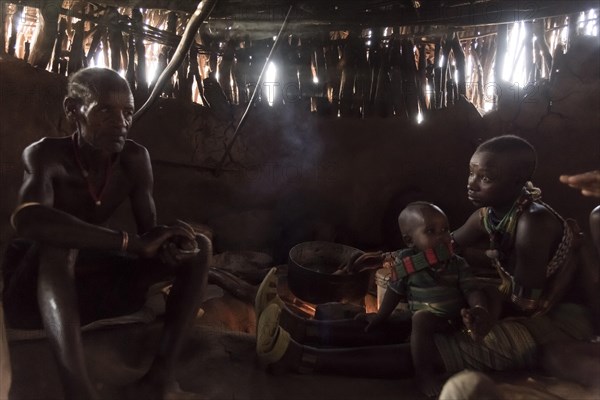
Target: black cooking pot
{"type": "Point", "coordinates": [310, 273]}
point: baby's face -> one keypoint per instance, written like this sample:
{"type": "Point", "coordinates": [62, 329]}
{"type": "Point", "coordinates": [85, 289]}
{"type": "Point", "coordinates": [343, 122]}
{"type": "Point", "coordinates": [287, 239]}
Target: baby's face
{"type": "Point", "coordinates": [431, 230]}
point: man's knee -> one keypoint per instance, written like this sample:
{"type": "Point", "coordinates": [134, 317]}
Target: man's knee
{"type": "Point", "coordinates": [204, 243]}
{"type": "Point", "coordinates": [54, 258]}
{"type": "Point", "coordinates": [595, 215]}
{"type": "Point", "coordinates": [203, 259]}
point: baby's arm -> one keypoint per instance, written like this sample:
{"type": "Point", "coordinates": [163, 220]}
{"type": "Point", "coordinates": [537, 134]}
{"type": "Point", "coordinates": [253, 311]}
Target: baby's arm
{"type": "Point", "coordinates": [388, 305]}
{"type": "Point", "coordinates": [477, 318]}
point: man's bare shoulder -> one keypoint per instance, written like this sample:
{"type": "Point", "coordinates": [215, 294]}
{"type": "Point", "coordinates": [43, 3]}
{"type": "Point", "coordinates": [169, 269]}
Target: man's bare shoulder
{"type": "Point", "coordinates": [47, 148]}
{"type": "Point", "coordinates": [134, 151]}
{"type": "Point", "coordinates": [135, 161]}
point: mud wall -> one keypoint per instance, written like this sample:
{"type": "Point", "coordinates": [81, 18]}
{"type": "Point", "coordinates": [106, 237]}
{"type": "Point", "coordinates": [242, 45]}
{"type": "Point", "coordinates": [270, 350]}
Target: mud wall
{"type": "Point", "coordinates": [294, 176]}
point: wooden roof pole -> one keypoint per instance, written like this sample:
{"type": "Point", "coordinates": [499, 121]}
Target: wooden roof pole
{"type": "Point", "coordinates": [256, 89]}
{"type": "Point", "coordinates": [202, 12]}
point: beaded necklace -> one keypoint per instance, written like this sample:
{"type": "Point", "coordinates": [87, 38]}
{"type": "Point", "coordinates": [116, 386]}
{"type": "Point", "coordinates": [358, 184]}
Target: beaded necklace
{"type": "Point", "coordinates": [502, 232]}
{"type": "Point", "coordinates": [401, 266]}
{"type": "Point", "coordinates": [96, 194]}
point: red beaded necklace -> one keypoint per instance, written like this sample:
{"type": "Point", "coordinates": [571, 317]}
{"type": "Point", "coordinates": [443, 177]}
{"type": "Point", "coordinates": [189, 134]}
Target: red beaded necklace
{"type": "Point", "coordinates": [96, 194]}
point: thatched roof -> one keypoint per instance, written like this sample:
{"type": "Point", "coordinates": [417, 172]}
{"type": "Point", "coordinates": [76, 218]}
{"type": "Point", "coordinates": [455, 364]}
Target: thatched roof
{"type": "Point", "coordinates": [262, 18]}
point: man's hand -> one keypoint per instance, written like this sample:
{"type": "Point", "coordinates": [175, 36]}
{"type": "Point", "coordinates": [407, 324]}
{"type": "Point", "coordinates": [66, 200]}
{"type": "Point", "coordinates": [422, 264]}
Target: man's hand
{"type": "Point", "coordinates": [587, 182]}
{"type": "Point", "coordinates": [179, 248]}
{"type": "Point", "coordinates": [151, 242]}
{"type": "Point", "coordinates": [478, 322]}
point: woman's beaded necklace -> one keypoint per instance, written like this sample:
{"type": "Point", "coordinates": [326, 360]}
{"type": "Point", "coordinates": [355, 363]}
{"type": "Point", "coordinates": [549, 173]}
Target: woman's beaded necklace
{"type": "Point", "coordinates": [502, 231]}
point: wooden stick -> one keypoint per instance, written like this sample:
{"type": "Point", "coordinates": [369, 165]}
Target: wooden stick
{"type": "Point", "coordinates": [258, 84]}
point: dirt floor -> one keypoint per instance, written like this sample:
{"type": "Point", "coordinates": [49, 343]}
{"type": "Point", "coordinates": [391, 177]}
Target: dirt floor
{"type": "Point", "coordinates": [218, 363]}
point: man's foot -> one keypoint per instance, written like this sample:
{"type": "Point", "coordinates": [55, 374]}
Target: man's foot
{"type": "Point", "coordinates": [266, 293]}
{"type": "Point", "coordinates": [146, 389]}
{"type": "Point", "coordinates": [429, 384]}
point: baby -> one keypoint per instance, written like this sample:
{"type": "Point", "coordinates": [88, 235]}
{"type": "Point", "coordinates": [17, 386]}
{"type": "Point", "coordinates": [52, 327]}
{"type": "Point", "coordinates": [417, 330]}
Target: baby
{"type": "Point", "coordinates": [438, 285]}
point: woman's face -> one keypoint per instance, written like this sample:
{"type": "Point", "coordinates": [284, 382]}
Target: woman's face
{"type": "Point", "coordinates": [493, 180]}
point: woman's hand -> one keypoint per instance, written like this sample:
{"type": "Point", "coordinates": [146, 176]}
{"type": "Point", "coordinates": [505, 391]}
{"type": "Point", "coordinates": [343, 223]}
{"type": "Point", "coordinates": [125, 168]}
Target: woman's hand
{"type": "Point", "coordinates": [587, 182]}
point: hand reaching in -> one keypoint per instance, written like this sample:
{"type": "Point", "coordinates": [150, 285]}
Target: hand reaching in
{"type": "Point", "coordinates": [360, 262]}
{"type": "Point", "coordinates": [587, 182]}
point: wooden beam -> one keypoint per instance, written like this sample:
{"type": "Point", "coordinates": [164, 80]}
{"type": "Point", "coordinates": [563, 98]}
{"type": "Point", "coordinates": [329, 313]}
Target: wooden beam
{"type": "Point", "coordinates": [262, 19]}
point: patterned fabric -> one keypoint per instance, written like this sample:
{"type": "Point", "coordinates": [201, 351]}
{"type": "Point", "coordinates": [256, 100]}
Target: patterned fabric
{"type": "Point", "coordinates": [441, 290]}
{"type": "Point", "coordinates": [508, 346]}
{"type": "Point", "coordinates": [513, 343]}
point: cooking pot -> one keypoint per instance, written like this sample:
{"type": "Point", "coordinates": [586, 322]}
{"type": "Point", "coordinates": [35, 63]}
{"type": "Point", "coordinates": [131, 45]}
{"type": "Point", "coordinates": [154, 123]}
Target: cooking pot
{"type": "Point", "coordinates": [310, 273]}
